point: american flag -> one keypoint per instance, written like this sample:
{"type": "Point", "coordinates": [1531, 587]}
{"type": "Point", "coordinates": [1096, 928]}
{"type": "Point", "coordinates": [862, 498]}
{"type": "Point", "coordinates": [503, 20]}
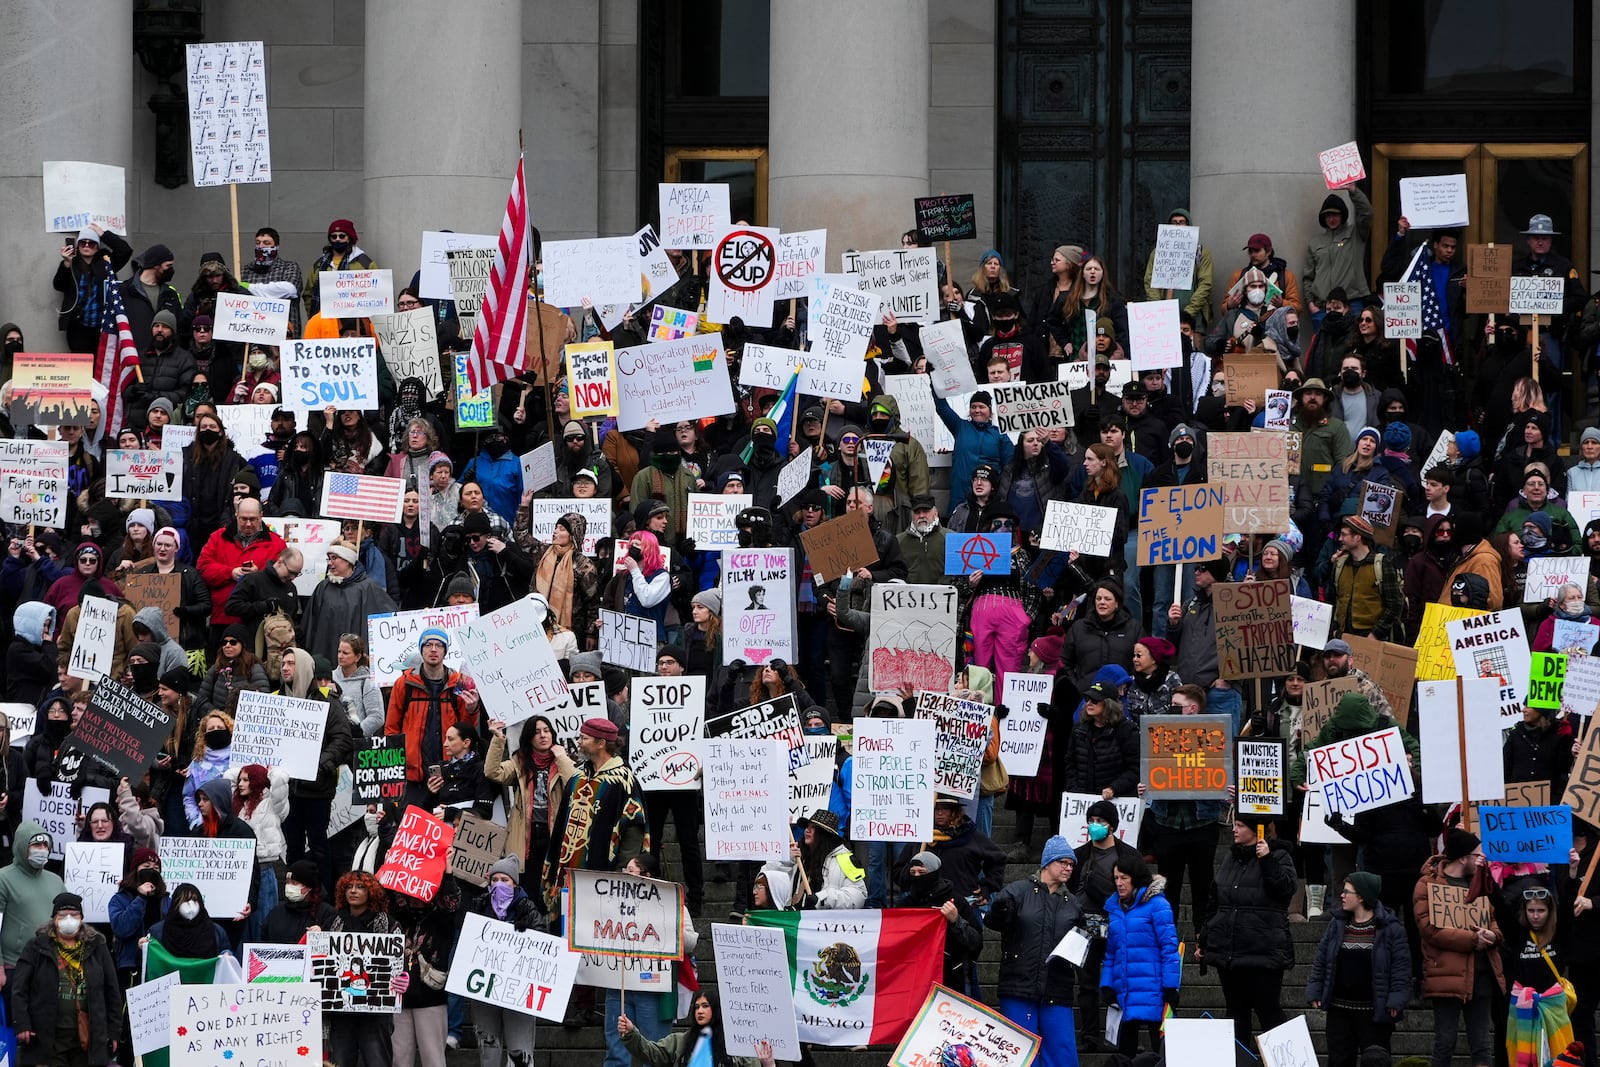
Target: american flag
{"type": "Point", "coordinates": [116, 363]}
{"type": "Point", "coordinates": [499, 344]}
{"type": "Point", "coordinates": [360, 496]}
{"type": "Point", "coordinates": [1432, 313]}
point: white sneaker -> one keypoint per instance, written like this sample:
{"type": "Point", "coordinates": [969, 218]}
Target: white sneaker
{"type": "Point", "coordinates": [1315, 895]}
{"type": "Point", "coordinates": [452, 1041]}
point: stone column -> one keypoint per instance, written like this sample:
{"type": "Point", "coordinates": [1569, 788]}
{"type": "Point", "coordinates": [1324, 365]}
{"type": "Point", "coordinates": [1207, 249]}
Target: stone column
{"type": "Point", "coordinates": [1259, 116]}
{"type": "Point", "coordinates": [68, 71]}
{"type": "Point", "coordinates": [443, 105]}
{"type": "Point", "coordinates": [848, 124]}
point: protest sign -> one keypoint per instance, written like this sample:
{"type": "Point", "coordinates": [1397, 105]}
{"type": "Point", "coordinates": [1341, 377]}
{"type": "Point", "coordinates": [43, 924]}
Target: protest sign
{"type": "Point", "coordinates": [632, 973]}
{"type": "Point", "coordinates": [220, 868]}
{"type": "Point", "coordinates": [1573, 637]}
{"type": "Point", "coordinates": [800, 256]}
{"type": "Point", "coordinates": [543, 513]}
{"type": "Point", "coordinates": [1180, 524]}
{"type": "Point", "coordinates": [1074, 820]}
{"type": "Point", "coordinates": [710, 522]}
{"type": "Point", "coordinates": [951, 1028]}
{"type": "Point", "coordinates": [469, 271]}
{"type": "Point", "coordinates": [912, 637]}
{"type": "Point", "coordinates": [1317, 705]}
{"type": "Point", "coordinates": [523, 971]}
{"type": "Point", "coordinates": [980, 553]}
{"type": "Point", "coordinates": [271, 1025]}
{"type": "Point", "coordinates": [1312, 619]}
{"type": "Point", "coordinates": [1206, 1042]}
{"type": "Point", "coordinates": [1314, 829]}
{"type": "Point", "coordinates": [279, 731]}
{"type": "Point", "coordinates": [1545, 677]}
{"type": "Point", "coordinates": [1362, 773]}
{"type": "Point", "coordinates": [478, 844]}
{"type": "Point", "coordinates": [1082, 528]}
{"type": "Point", "coordinates": [892, 780]}
{"type": "Point", "coordinates": [904, 279]}
{"type": "Point", "coordinates": [379, 769]}
{"type": "Point", "coordinates": [1434, 660]}
{"type": "Point", "coordinates": [743, 270]}
{"type": "Point", "coordinates": [918, 417]}
{"type": "Point", "coordinates": [247, 425]}
{"type": "Point", "coordinates": [508, 655]}
{"type": "Point", "coordinates": [759, 985]}
{"type": "Point", "coordinates": [1517, 795]}
{"type": "Point", "coordinates": [254, 319]}
{"type": "Point", "coordinates": [228, 139]}
{"type": "Point", "coordinates": [758, 611]}
{"type": "Point", "coordinates": [52, 389]}
{"type": "Point", "coordinates": [1439, 718]}
{"type": "Point", "coordinates": [776, 718]}
{"type": "Point", "coordinates": [1341, 166]}
{"type": "Point", "coordinates": [56, 811]}
{"type": "Point", "coordinates": [93, 870]}
{"type": "Point", "coordinates": [1435, 201]}
{"type": "Point", "coordinates": [656, 272]}
{"type": "Point", "coordinates": [1154, 342]}
{"type": "Point", "coordinates": [79, 195]}
{"type": "Point", "coordinates": [433, 281]}
{"type": "Point", "coordinates": [1186, 757]}
{"type": "Point", "coordinates": [592, 377]}
{"type": "Point", "coordinates": [119, 729]}
{"type": "Point", "coordinates": [839, 546]}
{"type": "Point", "coordinates": [149, 1014]}
{"type": "Point", "coordinates": [1393, 667]}
{"type": "Point", "coordinates": [1494, 646]}
{"type": "Point", "coordinates": [876, 451]}
{"type": "Point", "coordinates": [1547, 574]}
{"type": "Point", "coordinates": [841, 321]}
{"type": "Point", "coordinates": [1020, 406]}
{"type": "Point", "coordinates": [392, 638]}
{"type": "Point", "coordinates": [585, 700]}
{"type": "Point", "coordinates": [273, 964]}
{"type": "Point", "coordinates": [603, 270]}
{"type": "Point", "coordinates": [617, 914]}
{"type": "Point", "coordinates": [95, 639]}
{"type": "Point", "coordinates": [794, 476]}
{"type": "Point", "coordinates": [1253, 468]}
{"type": "Point", "coordinates": [539, 468]}
{"type": "Point", "coordinates": [959, 744]}
{"type": "Point", "coordinates": [144, 474]}
{"type": "Point", "coordinates": [1526, 835]}
{"type": "Point", "coordinates": [692, 214]}
{"type": "Point", "coordinates": [1279, 411]}
{"type": "Point", "coordinates": [341, 373]}
{"type": "Point", "coordinates": [1582, 794]}
{"type": "Point", "coordinates": [821, 372]}
{"type": "Point", "coordinates": [1488, 280]}
{"type": "Point", "coordinates": [1537, 295]}
{"type": "Point", "coordinates": [1254, 629]}
{"type": "Point", "coordinates": [1579, 696]}
{"type": "Point", "coordinates": [952, 217]}
{"type": "Point", "coordinates": [628, 640]}
{"type": "Point", "coordinates": [811, 785]}
{"type": "Point", "coordinates": [1022, 731]}
{"type": "Point", "coordinates": [415, 862]}
{"type": "Point", "coordinates": [1380, 506]}
{"type": "Point", "coordinates": [22, 718]}
{"type": "Point", "coordinates": [1262, 769]}
{"type": "Point", "coordinates": [1288, 1045]}
{"type": "Point", "coordinates": [358, 294]}
{"type": "Point", "coordinates": [1176, 250]}
{"type": "Point", "coordinates": [1449, 908]}
{"type": "Point", "coordinates": [354, 972]}
{"type": "Point", "coordinates": [949, 368]}
{"type": "Point", "coordinates": [666, 731]}
{"type": "Point", "coordinates": [1074, 373]}
{"type": "Point", "coordinates": [1402, 310]}
{"type": "Point", "coordinates": [671, 324]}
{"type": "Point", "coordinates": [673, 380]}
{"type": "Point", "coordinates": [33, 482]}
{"type": "Point", "coordinates": [1249, 376]}
{"type": "Point", "coordinates": [746, 787]}
{"type": "Point", "coordinates": [409, 343]}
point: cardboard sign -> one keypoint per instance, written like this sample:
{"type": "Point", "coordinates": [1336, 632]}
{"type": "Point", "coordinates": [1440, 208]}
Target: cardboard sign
{"type": "Point", "coordinates": [279, 731]}
{"type": "Point", "coordinates": [1537, 295]}
{"type": "Point", "coordinates": [618, 914]}
{"type": "Point", "coordinates": [219, 867]}
{"type": "Point", "coordinates": [1253, 470]}
{"type": "Point", "coordinates": [1437, 201]}
{"type": "Point", "coordinates": [357, 294]}
{"type": "Point", "coordinates": [912, 637]}
{"type": "Point", "coordinates": [1249, 376]}
{"type": "Point", "coordinates": [228, 139]}
{"type": "Point", "coordinates": [1186, 757]}
{"type": "Point", "coordinates": [1393, 667]}
{"type": "Point", "coordinates": [1494, 646]}
{"type": "Point", "coordinates": [1020, 406]}
{"type": "Point", "coordinates": [1341, 167]}
{"type": "Point", "coordinates": [508, 655]}
{"type": "Point", "coordinates": [758, 611]}
{"type": "Point", "coordinates": [628, 640]}
{"type": "Point", "coordinates": [1312, 620]}
{"type": "Point", "coordinates": [341, 373]}
{"type": "Point", "coordinates": [1154, 341]}
{"type": "Point", "coordinates": [710, 522]}
{"type": "Point", "coordinates": [1402, 310]}
{"type": "Point", "coordinates": [1526, 835]}
{"type": "Point", "coordinates": [254, 319]}
{"type": "Point", "coordinates": [603, 270]}
{"type": "Point", "coordinates": [904, 279]}
{"type": "Point", "coordinates": [379, 770]}
{"type": "Point", "coordinates": [692, 214]}
{"type": "Point", "coordinates": [416, 861]}
{"type": "Point", "coordinates": [1362, 773]}
{"type": "Point", "coordinates": [1517, 795]}
{"type": "Point", "coordinates": [78, 195]}
{"type": "Point", "coordinates": [1489, 280]}
{"type": "Point", "coordinates": [667, 732]}
{"type": "Point", "coordinates": [354, 972]}
{"type": "Point", "coordinates": [1255, 629]}
{"type": "Point", "coordinates": [274, 1021]}
{"type": "Point", "coordinates": [1177, 247]}
{"type": "Point", "coordinates": [1582, 794]}
{"type": "Point", "coordinates": [119, 729]}
{"type": "Point", "coordinates": [409, 344]}
{"type": "Point", "coordinates": [746, 794]}
{"type": "Point", "coordinates": [760, 958]}
{"type": "Point", "coordinates": [950, 1022]}
{"type": "Point", "coordinates": [947, 218]}
{"type": "Point", "coordinates": [839, 546]}
{"type": "Point", "coordinates": [93, 871]}
{"type": "Point", "coordinates": [1083, 528]}
{"type": "Point", "coordinates": [33, 483]}
{"type": "Point", "coordinates": [1449, 908]}
{"type": "Point", "coordinates": [478, 844]}
{"type": "Point", "coordinates": [1262, 769]}
{"type": "Point", "coordinates": [1439, 717]}
{"type": "Point", "coordinates": [523, 971]}
{"type": "Point", "coordinates": [1180, 524]}
{"type": "Point", "coordinates": [1317, 705]}
{"type": "Point", "coordinates": [959, 744]}
{"type": "Point", "coordinates": [892, 780]}
{"type": "Point", "coordinates": [673, 380]}
{"type": "Point", "coordinates": [1074, 822]}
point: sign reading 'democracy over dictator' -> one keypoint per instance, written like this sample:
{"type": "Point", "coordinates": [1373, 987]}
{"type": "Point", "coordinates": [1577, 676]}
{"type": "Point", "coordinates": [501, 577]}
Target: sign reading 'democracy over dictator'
{"type": "Point", "coordinates": [1020, 406]}
{"type": "Point", "coordinates": [253, 319]}
{"type": "Point", "coordinates": [79, 195]}
{"type": "Point", "coordinates": [616, 914]}
{"type": "Point", "coordinates": [392, 638]}
{"type": "Point", "coordinates": [672, 380]}
{"type": "Point", "coordinates": [220, 868]}
{"type": "Point", "coordinates": [605, 270]}
{"type": "Point", "coordinates": [1074, 822]}
{"type": "Point", "coordinates": [33, 482]}
{"type": "Point", "coordinates": [892, 780]}
{"type": "Point", "coordinates": [667, 731]}
{"type": "Point", "coordinates": [508, 655]}
{"type": "Point", "coordinates": [950, 1024]}
{"type": "Point", "coordinates": [409, 344]}
{"type": "Point", "coordinates": [963, 734]}
{"type": "Point", "coordinates": [904, 279]}
{"type": "Point", "coordinates": [1176, 249]}
{"type": "Point", "coordinates": [1494, 646]}
{"type": "Point", "coordinates": [1180, 524]}
{"type": "Point", "coordinates": [692, 214]}
{"type": "Point", "coordinates": [758, 604]}
{"type": "Point", "coordinates": [228, 140]}
{"type": "Point", "coordinates": [341, 373]}
{"type": "Point", "coordinates": [1186, 757]}
{"type": "Point", "coordinates": [1154, 342]}
{"type": "Point", "coordinates": [746, 796]}
{"type": "Point", "coordinates": [524, 971]}
{"type": "Point", "coordinates": [278, 731]}
{"type": "Point", "coordinates": [268, 1025]}
{"type": "Point", "coordinates": [1361, 773]}
{"type": "Point", "coordinates": [912, 639]}
{"type": "Point", "coordinates": [758, 992]}
{"type": "Point", "coordinates": [1022, 731]}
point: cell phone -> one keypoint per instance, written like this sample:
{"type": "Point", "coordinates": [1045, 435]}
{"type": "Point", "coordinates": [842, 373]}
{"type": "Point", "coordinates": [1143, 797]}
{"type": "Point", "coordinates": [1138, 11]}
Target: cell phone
{"type": "Point", "coordinates": [435, 771]}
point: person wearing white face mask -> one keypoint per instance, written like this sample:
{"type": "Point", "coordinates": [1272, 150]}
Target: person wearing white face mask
{"type": "Point", "coordinates": [26, 892]}
{"type": "Point", "coordinates": [188, 931]}
{"type": "Point", "coordinates": [66, 1005]}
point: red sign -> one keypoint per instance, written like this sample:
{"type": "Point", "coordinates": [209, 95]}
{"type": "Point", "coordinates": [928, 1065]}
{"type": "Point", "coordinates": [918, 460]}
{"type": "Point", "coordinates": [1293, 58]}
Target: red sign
{"type": "Point", "coordinates": [415, 863]}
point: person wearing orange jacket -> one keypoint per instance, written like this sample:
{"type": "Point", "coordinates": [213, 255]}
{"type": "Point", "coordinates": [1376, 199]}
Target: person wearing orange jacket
{"type": "Point", "coordinates": [427, 700]}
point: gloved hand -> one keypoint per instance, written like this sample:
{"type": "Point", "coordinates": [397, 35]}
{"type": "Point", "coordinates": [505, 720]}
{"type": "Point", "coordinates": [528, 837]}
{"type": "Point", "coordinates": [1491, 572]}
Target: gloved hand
{"type": "Point", "coordinates": [808, 901]}
{"type": "Point", "coordinates": [1170, 996]}
{"type": "Point", "coordinates": [1001, 711]}
{"type": "Point", "coordinates": [686, 547]}
{"type": "Point", "coordinates": [1334, 819]}
{"type": "Point", "coordinates": [1108, 996]}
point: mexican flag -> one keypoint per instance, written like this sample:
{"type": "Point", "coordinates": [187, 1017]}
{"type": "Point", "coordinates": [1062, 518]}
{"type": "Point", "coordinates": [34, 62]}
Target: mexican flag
{"type": "Point", "coordinates": [213, 969]}
{"type": "Point", "coordinates": [859, 976]}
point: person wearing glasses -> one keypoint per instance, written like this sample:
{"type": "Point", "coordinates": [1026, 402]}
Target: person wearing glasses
{"type": "Point", "coordinates": [1037, 988]}
{"type": "Point", "coordinates": [1361, 975]}
{"type": "Point", "coordinates": [340, 253]}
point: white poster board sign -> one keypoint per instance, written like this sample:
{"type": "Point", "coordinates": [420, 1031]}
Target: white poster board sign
{"type": "Point", "coordinates": [605, 270]}
{"type": "Point", "coordinates": [710, 522]}
{"type": "Point", "coordinates": [841, 322]}
{"type": "Point", "coordinates": [1439, 730]}
{"type": "Point", "coordinates": [666, 731]}
{"type": "Point", "coordinates": [539, 468]}
{"type": "Point", "coordinates": [1312, 619]}
{"type": "Point", "coordinates": [692, 213]}
{"type": "Point", "coordinates": [1176, 249]}
{"type": "Point", "coordinates": [1154, 340]}
{"type": "Point", "coordinates": [1022, 731]}
{"type": "Point", "coordinates": [1537, 295]}
{"type": "Point", "coordinates": [1402, 310]}
{"type": "Point", "coordinates": [273, 1021]}
{"type": "Point", "coordinates": [1083, 528]}
{"type": "Point", "coordinates": [356, 294]}
{"type": "Point", "coordinates": [78, 195]}
{"type": "Point", "coordinates": [673, 380]}
{"type": "Point", "coordinates": [341, 373]}
{"type": "Point", "coordinates": [507, 653]}
{"type": "Point", "coordinates": [746, 796]}
{"type": "Point", "coordinates": [1362, 773]}
{"type": "Point", "coordinates": [434, 282]}
{"type": "Point", "coordinates": [1435, 201]}
{"type": "Point", "coordinates": [1494, 645]}
{"type": "Point", "coordinates": [260, 320]}
{"type": "Point", "coordinates": [800, 255]}
{"type": "Point", "coordinates": [892, 780]}
{"type": "Point", "coordinates": [758, 957]}
{"type": "Point", "coordinates": [525, 971]}
{"type": "Point", "coordinates": [95, 640]}
{"type": "Point", "coordinates": [33, 482]}
{"type": "Point", "coordinates": [279, 731]}
{"type": "Point", "coordinates": [92, 870]}
{"type": "Point", "coordinates": [1074, 822]}
{"type": "Point", "coordinates": [144, 474]}
{"type": "Point", "coordinates": [219, 867]}
{"type": "Point", "coordinates": [758, 612]}
{"type": "Point", "coordinates": [905, 280]}
{"type": "Point", "coordinates": [228, 139]}
{"type": "Point", "coordinates": [949, 366]}
{"type": "Point", "coordinates": [409, 344]}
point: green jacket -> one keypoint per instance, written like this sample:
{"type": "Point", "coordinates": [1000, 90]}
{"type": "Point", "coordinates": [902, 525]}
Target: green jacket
{"type": "Point", "coordinates": [27, 896]}
{"type": "Point", "coordinates": [1337, 259]}
{"type": "Point", "coordinates": [673, 1050]}
{"type": "Point", "coordinates": [1512, 522]}
{"type": "Point", "coordinates": [1343, 725]}
{"type": "Point", "coordinates": [1320, 448]}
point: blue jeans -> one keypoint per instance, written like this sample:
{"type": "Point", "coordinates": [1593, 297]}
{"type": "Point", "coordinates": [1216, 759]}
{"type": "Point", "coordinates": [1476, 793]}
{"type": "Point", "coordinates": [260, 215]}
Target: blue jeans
{"type": "Point", "coordinates": [880, 856]}
{"type": "Point", "coordinates": [1165, 579]}
{"type": "Point", "coordinates": [985, 816]}
{"type": "Point", "coordinates": [457, 1014]}
{"type": "Point", "coordinates": [644, 1010]}
{"type": "Point", "coordinates": [1058, 1044]}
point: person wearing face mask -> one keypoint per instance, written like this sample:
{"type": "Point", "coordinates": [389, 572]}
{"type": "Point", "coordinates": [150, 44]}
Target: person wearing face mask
{"type": "Point", "coordinates": [269, 274]}
{"type": "Point", "coordinates": [300, 476]}
{"type": "Point", "coordinates": [150, 291]}
{"type": "Point", "coordinates": [498, 471]}
{"type": "Point", "coordinates": [261, 367]}
{"type": "Point", "coordinates": [302, 908]}
{"type": "Point", "coordinates": [188, 932]}
{"type": "Point", "coordinates": [1024, 351]}
{"type": "Point", "coordinates": [665, 479]}
{"type": "Point", "coordinates": [503, 1033]}
{"type": "Point", "coordinates": [1428, 570]}
{"type": "Point", "coordinates": [924, 885]}
{"type": "Point", "coordinates": [136, 908]}
{"type": "Point", "coordinates": [1567, 606]}
{"type": "Point", "coordinates": [66, 1005]}
{"type": "Point", "coordinates": [1245, 314]}
{"type": "Point", "coordinates": [27, 889]}
{"type": "Point", "coordinates": [1283, 336]}
{"type": "Point", "coordinates": [340, 253]}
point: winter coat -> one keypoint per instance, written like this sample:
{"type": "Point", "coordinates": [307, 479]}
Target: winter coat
{"type": "Point", "coordinates": [220, 682]}
{"type": "Point", "coordinates": [1248, 921]}
{"type": "Point", "coordinates": [969, 860]}
{"type": "Point", "coordinates": [338, 608]}
{"type": "Point", "coordinates": [1337, 257]}
{"type": "Point", "coordinates": [1032, 920]}
{"type": "Point", "coordinates": [1092, 643]}
{"type": "Point", "coordinates": [1103, 757]}
{"type": "Point", "coordinates": [223, 552]}
{"type": "Point", "coordinates": [27, 898]}
{"type": "Point", "coordinates": [208, 487]}
{"type": "Point", "coordinates": [1537, 754]}
{"type": "Point", "coordinates": [974, 445]}
{"type": "Point", "coordinates": [506, 771]}
{"type": "Point", "coordinates": [172, 654]}
{"type": "Point", "coordinates": [338, 748]}
{"type": "Point", "coordinates": [122, 643]}
{"type": "Point", "coordinates": [844, 885]}
{"type": "Point", "coordinates": [1141, 953]}
{"type": "Point", "coordinates": [287, 922]}
{"type": "Point", "coordinates": [408, 714]}
{"type": "Point", "coordinates": [1449, 956]}
{"type": "Point", "coordinates": [34, 988]}
{"type": "Point", "coordinates": [1484, 561]}
{"type": "Point", "coordinates": [130, 922]}
{"type": "Point", "coordinates": [363, 700]}
{"type": "Point", "coordinates": [211, 763]}
{"type": "Point", "coordinates": [194, 603]}
{"type": "Point", "coordinates": [673, 1050]}
{"type": "Point", "coordinates": [31, 657]}
{"type": "Point", "coordinates": [270, 813]}
{"type": "Point", "coordinates": [1195, 634]}
{"type": "Point", "coordinates": [1138, 702]}
{"type": "Point", "coordinates": [963, 939]}
{"type": "Point", "coordinates": [1391, 963]}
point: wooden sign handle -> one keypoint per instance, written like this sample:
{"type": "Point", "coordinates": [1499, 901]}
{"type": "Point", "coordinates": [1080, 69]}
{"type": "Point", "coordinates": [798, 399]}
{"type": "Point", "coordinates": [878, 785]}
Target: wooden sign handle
{"type": "Point", "coordinates": [1588, 873]}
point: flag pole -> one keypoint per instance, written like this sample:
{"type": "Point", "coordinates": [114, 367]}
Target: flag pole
{"type": "Point", "coordinates": [538, 300]}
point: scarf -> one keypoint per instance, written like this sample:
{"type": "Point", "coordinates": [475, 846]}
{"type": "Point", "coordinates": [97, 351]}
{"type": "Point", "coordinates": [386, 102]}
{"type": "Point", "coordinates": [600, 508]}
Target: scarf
{"type": "Point", "coordinates": [1539, 1028]}
{"type": "Point", "coordinates": [70, 961]}
{"type": "Point", "coordinates": [555, 579]}
{"type": "Point", "coordinates": [190, 939]}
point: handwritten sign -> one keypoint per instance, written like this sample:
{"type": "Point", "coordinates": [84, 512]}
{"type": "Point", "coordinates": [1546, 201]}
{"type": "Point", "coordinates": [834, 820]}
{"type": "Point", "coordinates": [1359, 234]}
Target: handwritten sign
{"type": "Point", "coordinates": [1186, 757]}
{"type": "Point", "coordinates": [508, 655]}
{"type": "Point", "coordinates": [892, 780]}
{"type": "Point", "coordinates": [279, 731]}
{"type": "Point", "coordinates": [801, 255]}
{"type": "Point", "coordinates": [392, 638]}
{"type": "Point", "coordinates": [353, 971]}
{"type": "Point", "coordinates": [1249, 376]}
{"type": "Point", "coordinates": [379, 769]}
{"type": "Point", "coordinates": [434, 282]}
{"type": "Point", "coordinates": [1180, 524]}
{"type": "Point", "coordinates": [1022, 731]}
{"type": "Point", "coordinates": [78, 195]}
{"type": "Point", "coordinates": [1342, 166]}
{"type": "Point", "coordinates": [1020, 406]}
{"type": "Point", "coordinates": [1449, 908]}
{"type": "Point", "coordinates": [95, 639]}
{"type": "Point", "coordinates": [1494, 646]}
{"type": "Point", "coordinates": [743, 272]}
{"type": "Point", "coordinates": [1537, 295]}
{"type": "Point", "coordinates": [1402, 309]}
{"type": "Point", "coordinates": [627, 640]}
{"type": "Point", "coordinates": [758, 614]}
{"type": "Point", "coordinates": [144, 474]}
{"type": "Point", "coordinates": [1154, 341]}
{"type": "Point", "coordinates": [592, 378]}
{"type": "Point", "coordinates": [478, 844]}
{"type": "Point", "coordinates": [1176, 250]}
{"type": "Point", "coordinates": [341, 373]}
{"type": "Point", "coordinates": [356, 294]}
{"type": "Point", "coordinates": [1074, 821]}
{"type": "Point", "coordinates": [673, 380]}
{"type": "Point", "coordinates": [670, 324]}
{"type": "Point", "coordinates": [963, 735]}
{"type": "Point", "coordinates": [1362, 773]}
{"type": "Point", "coordinates": [1312, 620]}
{"type": "Point", "coordinates": [1526, 835]}
{"type": "Point", "coordinates": [947, 218]}
{"type": "Point", "coordinates": [252, 319]}
{"type": "Point", "coordinates": [756, 961]}
{"type": "Point", "coordinates": [710, 522]}
{"type": "Point", "coordinates": [523, 971]}
{"type": "Point", "coordinates": [667, 732]}
{"type": "Point", "coordinates": [913, 636]}
{"type": "Point", "coordinates": [1435, 201]}
{"type": "Point", "coordinates": [1582, 794]}
{"type": "Point", "coordinates": [1288, 1045]}
{"type": "Point", "coordinates": [33, 482]}
{"type": "Point", "coordinates": [775, 719]}
{"type": "Point", "coordinates": [842, 319]}
{"type": "Point", "coordinates": [1317, 704]}
{"type": "Point", "coordinates": [415, 862]}
{"type": "Point", "coordinates": [93, 870]}
{"type": "Point", "coordinates": [692, 213]}
{"type": "Point", "coordinates": [409, 343]}
{"type": "Point", "coordinates": [949, 1022]}
{"type": "Point", "coordinates": [280, 1025]}
{"type": "Point", "coordinates": [605, 270]}
{"type": "Point", "coordinates": [1252, 470]}
{"type": "Point", "coordinates": [617, 914]}
{"type": "Point", "coordinates": [1488, 281]}
{"type": "Point", "coordinates": [949, 367]}
{"type": "Point", "coordinates": [1255, 629]}
{"type": "Point", "coordinates": [1083, 528]}
{"type": "Point", "coordinates": [746, 798]}
{"type": "Point", "coordinates": [904, 279]}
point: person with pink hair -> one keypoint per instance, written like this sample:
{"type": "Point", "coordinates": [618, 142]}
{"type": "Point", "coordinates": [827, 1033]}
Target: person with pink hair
{"type": "Point", "coordinates": [648, 583]}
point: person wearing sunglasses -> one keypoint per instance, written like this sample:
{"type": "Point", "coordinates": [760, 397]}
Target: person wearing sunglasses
{"type": "Point", "coordinates": [1537, 955]}
{"type": "Point", "coordinates": [340, 253]}
{"type": "Point", "coordinates": [88, 564]}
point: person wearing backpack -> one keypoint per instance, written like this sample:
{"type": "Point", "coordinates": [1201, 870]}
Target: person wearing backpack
{"type": "Point", "coordinates": [269, 605]}
{"type": "Point", "coordinates": [1365, 584]}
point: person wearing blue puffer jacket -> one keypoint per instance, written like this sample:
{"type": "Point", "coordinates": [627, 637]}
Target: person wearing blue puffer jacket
{"type": "Point", "coordinates": [978, 440]}
{"type": "Point", "coordinates": [1142, 968]}
{"type": "Point", "coordinates": [1361, 975]}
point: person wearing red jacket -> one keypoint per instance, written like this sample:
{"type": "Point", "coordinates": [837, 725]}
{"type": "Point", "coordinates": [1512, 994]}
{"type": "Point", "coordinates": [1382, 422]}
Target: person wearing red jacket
{"type": "Point", "coordinates": [238, 549]}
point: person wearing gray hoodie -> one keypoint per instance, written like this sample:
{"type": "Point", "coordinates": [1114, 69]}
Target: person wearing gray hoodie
{"type": "Point", "coordinates": [153, 622]}
{"type": "Point", "coordinates": [31, 656]}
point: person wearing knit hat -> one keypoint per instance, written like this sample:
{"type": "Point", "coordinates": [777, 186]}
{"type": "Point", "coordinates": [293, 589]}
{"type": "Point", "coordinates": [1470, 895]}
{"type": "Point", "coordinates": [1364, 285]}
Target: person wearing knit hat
{"type": "Point", "coordinates": [710, 599]}
{"type": "Point", "coordinates": [340, 253]}
{"type": "Point", "coordinates": [978, 441]}
{"type": "Point", "coordinates": [161, 404]}
{"type": "Point", "coordinates": [142, 517]}
{"type": "Point", "coordinates": [585, 667]}
{"type": "Point", "coordinates": [1397, 438]}
{"type": "Point", "coordinates": [1032, 915]}
{"type": "Point", "coordinates": [610, 826]}
{"type": "Point", "coordinates": [671, 660]}
{"type": "Point", "coordinates": [1383, 986]}
{"type": "Point", "coordinates": [180, 680]}
{"type": "Point", "coordinates": [1045, 652]}
{"type": "Point", "coordinates": [928, 861]}
{"type": "Point", "coordinates": [165, 318]}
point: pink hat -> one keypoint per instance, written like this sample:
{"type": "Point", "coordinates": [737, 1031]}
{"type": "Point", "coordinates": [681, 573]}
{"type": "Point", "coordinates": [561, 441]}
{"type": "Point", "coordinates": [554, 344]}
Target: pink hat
{"type": "Point", "coordinates": [168, 531]}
